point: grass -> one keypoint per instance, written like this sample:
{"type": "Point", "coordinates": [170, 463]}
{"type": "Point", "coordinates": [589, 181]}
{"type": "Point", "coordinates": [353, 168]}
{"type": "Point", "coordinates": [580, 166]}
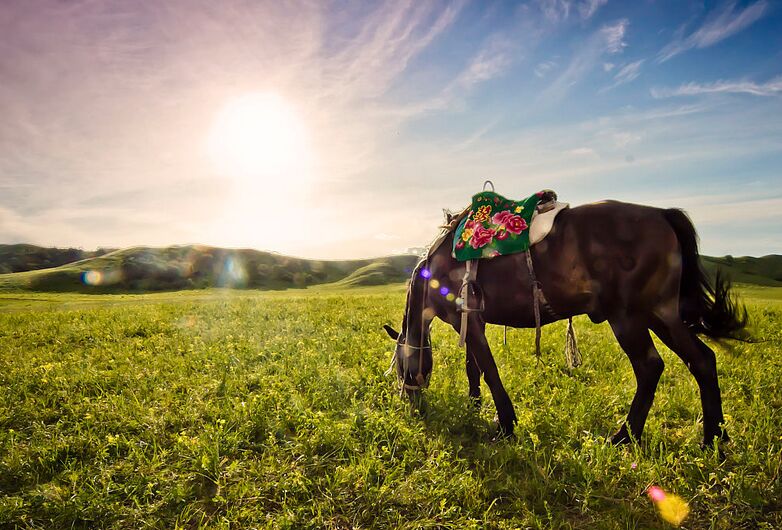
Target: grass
{"type": "Point", "coordinates": [226, 409]}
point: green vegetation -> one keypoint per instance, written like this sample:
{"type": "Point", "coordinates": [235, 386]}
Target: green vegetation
{"type": "Point", "coordinates": [226, 408]}
{"type": "Point", "coordinates": [22, 257]}
{"type": "Point", "coordinates": [141, 269]}
{"type": "Point", "coordinates": [766, 270]}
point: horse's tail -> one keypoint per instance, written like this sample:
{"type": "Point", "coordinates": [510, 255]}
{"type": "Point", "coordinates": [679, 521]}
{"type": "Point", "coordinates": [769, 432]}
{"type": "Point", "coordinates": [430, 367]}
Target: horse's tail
{"type": "Point", "coordinates": [712, 311]}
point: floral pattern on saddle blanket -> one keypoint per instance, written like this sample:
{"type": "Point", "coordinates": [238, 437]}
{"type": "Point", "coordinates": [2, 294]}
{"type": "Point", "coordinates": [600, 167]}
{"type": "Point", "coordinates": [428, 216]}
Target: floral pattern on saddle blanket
{"type": "Point", "coordinates": [495, 226]}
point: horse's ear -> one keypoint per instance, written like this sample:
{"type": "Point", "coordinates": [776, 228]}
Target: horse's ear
{"type": "Point", "coordinates": [391, 331]}
{"type": "Point", "coordinates": [448, 216]}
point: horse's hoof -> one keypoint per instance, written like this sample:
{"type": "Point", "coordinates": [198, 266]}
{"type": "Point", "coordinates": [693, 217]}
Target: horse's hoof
{"type": "Point", "coordinates": [503, 436]}
{"type": "Point", "coordinates": [622, 437]}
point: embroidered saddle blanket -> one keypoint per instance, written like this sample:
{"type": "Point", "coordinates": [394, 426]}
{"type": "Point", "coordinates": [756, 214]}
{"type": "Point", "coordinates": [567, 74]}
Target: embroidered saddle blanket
{"type": "Point", "coordinates": [496, 226]}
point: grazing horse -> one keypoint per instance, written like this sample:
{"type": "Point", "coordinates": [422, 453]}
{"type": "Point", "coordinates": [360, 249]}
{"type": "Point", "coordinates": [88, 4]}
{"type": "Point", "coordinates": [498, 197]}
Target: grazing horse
{"type": "Point", "coordinates": [635, 266]}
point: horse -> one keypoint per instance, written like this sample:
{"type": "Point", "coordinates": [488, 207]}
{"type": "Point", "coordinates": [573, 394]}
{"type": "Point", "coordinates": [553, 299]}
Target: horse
{"type": "Point", "coordinates": [635, 266]}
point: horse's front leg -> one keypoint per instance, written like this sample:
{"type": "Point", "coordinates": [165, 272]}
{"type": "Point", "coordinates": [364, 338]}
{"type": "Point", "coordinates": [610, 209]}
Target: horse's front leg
{"type": "Point", "coordinates": [478, 348]}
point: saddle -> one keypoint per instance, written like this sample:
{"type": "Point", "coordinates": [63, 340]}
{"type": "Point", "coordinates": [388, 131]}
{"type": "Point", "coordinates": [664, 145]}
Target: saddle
{"type": "Point", "coordinates": [495, 226]}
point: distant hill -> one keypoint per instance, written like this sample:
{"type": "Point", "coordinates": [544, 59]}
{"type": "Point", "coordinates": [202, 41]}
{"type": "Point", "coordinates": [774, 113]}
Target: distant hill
{"type": "Point", "coordinates": [766, 270]}
{"type": "Point", "coordinates": [22, 257]}
{"type": "Point", "coordinates": [195, 266]}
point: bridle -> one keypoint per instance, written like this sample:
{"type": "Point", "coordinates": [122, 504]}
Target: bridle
{"type": "Point", "coordinates": [422, 381]}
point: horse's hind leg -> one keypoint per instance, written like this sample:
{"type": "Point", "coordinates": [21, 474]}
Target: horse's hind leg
{"type": "Point", "coordinates": [633, 336]}
{"type": "Point", "coordinates": [702, 363]}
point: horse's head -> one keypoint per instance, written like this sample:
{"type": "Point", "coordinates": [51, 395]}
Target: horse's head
{"type": "Point", "coordinates": [413, 359]}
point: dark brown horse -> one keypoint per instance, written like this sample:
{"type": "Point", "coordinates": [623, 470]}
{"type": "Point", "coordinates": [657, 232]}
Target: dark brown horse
{"type": "Point", "coordinates": [635, 266]}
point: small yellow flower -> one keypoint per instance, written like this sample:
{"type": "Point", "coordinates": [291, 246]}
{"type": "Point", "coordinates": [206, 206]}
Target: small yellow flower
{"type": "Point", "coordinates": [467, 234]}
{"type": "Point", "coordinates": [518, 209]}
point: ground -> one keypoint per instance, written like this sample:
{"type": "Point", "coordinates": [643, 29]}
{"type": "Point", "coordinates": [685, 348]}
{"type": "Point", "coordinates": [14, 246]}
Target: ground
{"type": "Point", "coordinates": [223, 408]}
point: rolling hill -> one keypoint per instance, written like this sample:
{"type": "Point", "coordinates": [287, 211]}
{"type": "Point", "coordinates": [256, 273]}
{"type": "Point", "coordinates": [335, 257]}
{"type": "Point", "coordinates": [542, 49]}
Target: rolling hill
{"type": "Point", "coordinates": [766, 270]}
{"type": "Point", "coordinates": [22, 257]}
{"type": "Point", "coordinates": [196, 266]}
{"type": "Point", "coordinates": [139, 269]}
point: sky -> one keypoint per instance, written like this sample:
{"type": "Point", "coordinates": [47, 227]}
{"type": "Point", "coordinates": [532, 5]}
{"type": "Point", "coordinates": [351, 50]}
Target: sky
{"type": "Point", "coordinates": [342, 129]}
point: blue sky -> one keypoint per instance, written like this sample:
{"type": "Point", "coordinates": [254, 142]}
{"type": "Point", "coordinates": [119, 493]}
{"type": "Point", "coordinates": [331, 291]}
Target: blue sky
{"type": "Point", "coordinates": [384, 113]}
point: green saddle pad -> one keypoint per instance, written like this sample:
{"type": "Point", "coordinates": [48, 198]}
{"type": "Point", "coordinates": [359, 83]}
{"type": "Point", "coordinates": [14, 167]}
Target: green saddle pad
{"type": "Point", "coordinates": [495, 226]}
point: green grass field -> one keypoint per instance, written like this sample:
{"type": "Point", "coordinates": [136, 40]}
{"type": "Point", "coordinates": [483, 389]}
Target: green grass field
{"type": "Point", "coordinates": [231, 409]}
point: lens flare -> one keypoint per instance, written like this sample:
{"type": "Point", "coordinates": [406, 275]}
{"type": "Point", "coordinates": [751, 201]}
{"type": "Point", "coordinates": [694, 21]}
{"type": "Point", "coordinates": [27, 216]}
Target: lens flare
{"type": "Point", "coordinates": [92, 278]}
{"type": "Point", "coordinates": [444, 290]}
{"type": "Point", "coordinates": [426, 273]}
{"type": "Point", "coordinates": [672, 508]}
{"type": "Point", "coordinates": [434, 284]}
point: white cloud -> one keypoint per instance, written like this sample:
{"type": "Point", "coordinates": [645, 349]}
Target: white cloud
{"type": "Point", "coordinates": [721, 24]}
{"type": "Point", "coordinates": [624, 139]}
{"type": "Point", "coordinates": [609, 39]}
{"type": "Point", "coordinates": [607, 67]}
{"type": "Point", "coordinates": [770, 88]}
{"type": "Point", "coordinates": [491, 61]}
{"type": "Point", "coordinates": [589, 7]}
{"type": "Point", "coordinates": [614, 36]}
{"type": "Point", "coordinates": [626, 74]}
{"type": "Point", "coordinates": [582, 151]}
{"type": "Point", "coordinates": [557, 11]}
{"type": "Point", "coordinates": [543, 68]}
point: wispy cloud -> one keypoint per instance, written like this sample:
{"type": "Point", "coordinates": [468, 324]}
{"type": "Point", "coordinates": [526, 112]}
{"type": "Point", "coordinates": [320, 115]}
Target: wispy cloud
{"type": "Point", "coordinates": [557, 11]}
{"type": "Point", "coordinates": [614, 35]}
{"type": "Point", "coordinates": [607, 40]}
{"type": "Point", "coordinates": [770, 88]}
{"type": "Point", "coordinates": [543, 68]}
{"type": "Point", "coordinates": [491, 61]}
{"type": "Point", "coordinates": [721, 24]}
{"type": "Point", "coordinates": [589, 7]}
{"type": "Point", "coordinates": [626, 74]}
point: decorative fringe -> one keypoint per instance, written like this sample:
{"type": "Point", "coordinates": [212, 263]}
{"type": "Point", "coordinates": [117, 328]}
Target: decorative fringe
{"type": "Point", "coordinates": [572, 355]}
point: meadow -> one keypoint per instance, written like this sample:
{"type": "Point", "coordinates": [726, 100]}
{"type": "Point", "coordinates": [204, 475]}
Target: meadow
{"type": "Point", "coordinates": [247, 409]}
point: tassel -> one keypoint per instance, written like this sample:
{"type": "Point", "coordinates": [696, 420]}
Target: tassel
{"type": "Point", "coordinates": [572, 355]}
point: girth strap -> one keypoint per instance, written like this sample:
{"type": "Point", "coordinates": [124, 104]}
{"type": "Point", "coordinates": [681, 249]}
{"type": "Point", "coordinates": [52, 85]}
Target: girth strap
{"type": "Point", "coordinates": [470, 273]}
{"type": "Point", "coordinates": [538, 299]}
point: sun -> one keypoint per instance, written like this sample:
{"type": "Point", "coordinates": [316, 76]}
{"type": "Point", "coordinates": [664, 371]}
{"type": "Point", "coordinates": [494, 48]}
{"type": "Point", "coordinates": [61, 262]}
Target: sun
{"type": "Point", "coordinates": [260, 138]}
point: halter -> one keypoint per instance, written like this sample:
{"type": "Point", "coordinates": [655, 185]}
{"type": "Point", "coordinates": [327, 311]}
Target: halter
{"type": "Point", "coordinates": [422, 382]}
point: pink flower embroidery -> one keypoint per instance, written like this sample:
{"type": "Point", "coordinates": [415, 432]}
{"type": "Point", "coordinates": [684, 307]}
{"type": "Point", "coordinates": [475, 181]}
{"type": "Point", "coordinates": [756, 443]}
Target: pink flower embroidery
{"type": "Point", "coordinates": [505, 220]}
{"type": "Point", "coordinates": [501, 218]}
{"type": "Point", "coordinates": [481, 237]}
{"type": "Point", "coordinates": [501, 234]}
{"type": "Point", "coordinates": [460, 244]}
{"type": "Point", "coordinates": [516, 224]}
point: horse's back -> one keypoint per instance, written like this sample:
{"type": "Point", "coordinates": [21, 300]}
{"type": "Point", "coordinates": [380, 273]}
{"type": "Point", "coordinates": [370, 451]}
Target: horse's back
{"type": "Point", "coordinates": [629, 253]}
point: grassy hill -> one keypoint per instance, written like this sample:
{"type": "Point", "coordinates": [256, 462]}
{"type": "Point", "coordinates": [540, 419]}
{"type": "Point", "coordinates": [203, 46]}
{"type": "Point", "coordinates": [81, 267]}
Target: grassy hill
{"type": "Point", "coordinates": [197, 266]}
{"type": "Point", "coordinates": [136, 269]}
{"type": "Point", "coordinates": [22, 257]}
{"type": "Point", "coordinates": [766, 270]}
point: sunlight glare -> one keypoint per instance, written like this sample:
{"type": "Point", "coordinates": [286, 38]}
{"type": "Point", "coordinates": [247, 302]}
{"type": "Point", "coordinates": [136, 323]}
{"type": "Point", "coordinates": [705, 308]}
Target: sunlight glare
{"type": "Point", "coordinates": [260, 137]}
